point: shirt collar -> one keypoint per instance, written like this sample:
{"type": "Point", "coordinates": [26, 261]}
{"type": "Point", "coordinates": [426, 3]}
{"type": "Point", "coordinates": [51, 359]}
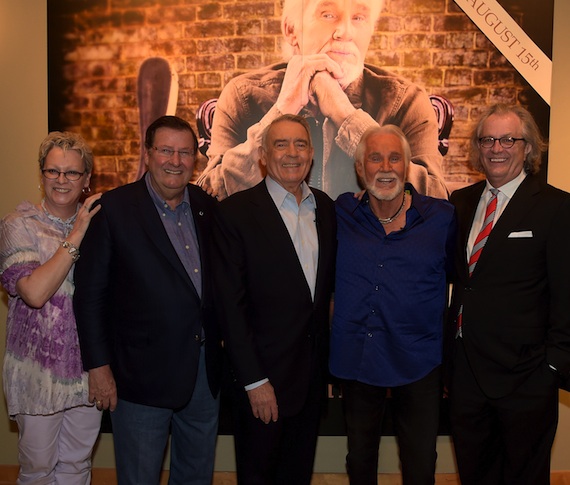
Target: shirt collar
{"type": "Point", "coordinates": [159, 202]}
{"type": "Point", "coordinates": [511, 187]}
{"type": "Point", "coordinates": [279, 194]}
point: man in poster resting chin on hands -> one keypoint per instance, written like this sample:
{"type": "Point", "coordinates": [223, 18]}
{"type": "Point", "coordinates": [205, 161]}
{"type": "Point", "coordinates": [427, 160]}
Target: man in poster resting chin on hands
{"type": "Point", "coordinates": [326, 81]}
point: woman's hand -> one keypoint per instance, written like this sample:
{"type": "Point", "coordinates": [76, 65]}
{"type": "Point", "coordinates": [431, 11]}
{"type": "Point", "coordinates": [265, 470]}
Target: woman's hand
{"type": "Point", "coordinates": [84, 216]}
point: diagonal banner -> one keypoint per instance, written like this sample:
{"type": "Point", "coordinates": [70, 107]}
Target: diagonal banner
{"type": "Point", "coordinates": [512, 41]}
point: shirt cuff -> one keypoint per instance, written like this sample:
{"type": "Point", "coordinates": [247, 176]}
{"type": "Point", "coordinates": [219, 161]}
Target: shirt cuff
{"type": "Point", "coordinates": [255, 385]}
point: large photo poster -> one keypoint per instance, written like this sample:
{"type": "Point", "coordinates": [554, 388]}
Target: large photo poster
{"type": "Point", "coordinates": [229, 67]}
{"type": "Point", "coordinates": [114, 66]}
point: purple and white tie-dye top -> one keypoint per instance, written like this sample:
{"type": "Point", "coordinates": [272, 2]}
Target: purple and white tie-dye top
{"type": "Point", "coordinates": [42, 366]}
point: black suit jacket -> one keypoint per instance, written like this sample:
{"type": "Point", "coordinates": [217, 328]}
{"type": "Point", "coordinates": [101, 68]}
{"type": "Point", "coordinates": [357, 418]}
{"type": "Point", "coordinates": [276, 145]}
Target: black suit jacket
{"type": "Point", "coordinates": [270, 325]}
{"type": "Point", "coordinates": [136, 306]}
{"type": "Point", "coordinates": [516, 305]}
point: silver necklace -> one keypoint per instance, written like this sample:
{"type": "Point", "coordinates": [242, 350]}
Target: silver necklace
{"type": "Point", "coordinates": [67, 224]}
{"type": "Point", "coordinates": [395, 216]}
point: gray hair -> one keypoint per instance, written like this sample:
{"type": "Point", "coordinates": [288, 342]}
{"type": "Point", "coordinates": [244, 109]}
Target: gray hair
{"type": "Point", "coordinates": [66, 140]}
{"type": "Point", "coordinates": [286, 117]}
{"type": "Point", "coordinates": [530, 132]}
{"type": "Point", "coordinates": [293, 15]}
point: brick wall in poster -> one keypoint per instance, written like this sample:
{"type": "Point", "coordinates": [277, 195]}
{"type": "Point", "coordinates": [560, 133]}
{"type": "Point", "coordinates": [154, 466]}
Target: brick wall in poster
{"type": "Point", "coordinates": [98, 46]}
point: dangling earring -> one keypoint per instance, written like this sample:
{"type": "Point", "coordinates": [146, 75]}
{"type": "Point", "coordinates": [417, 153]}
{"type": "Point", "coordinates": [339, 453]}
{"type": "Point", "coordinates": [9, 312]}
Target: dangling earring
{"type": "Point", "coordinates": [40, 187]}
{"type": "Point", "coordinates": [86, 190]}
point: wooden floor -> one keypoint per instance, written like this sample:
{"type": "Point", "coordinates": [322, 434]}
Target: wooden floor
{"type": "Point", "coordinates": [101, 476]}
{"type": "Point", "coordinates": [106, 476]}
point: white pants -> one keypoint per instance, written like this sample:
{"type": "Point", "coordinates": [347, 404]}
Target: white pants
{"type": "Point", "coordinates": [56, 449]}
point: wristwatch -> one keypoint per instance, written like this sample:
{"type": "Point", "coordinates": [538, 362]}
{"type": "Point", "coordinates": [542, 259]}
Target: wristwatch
{"type": "Point", "coordinates": [72, 249]}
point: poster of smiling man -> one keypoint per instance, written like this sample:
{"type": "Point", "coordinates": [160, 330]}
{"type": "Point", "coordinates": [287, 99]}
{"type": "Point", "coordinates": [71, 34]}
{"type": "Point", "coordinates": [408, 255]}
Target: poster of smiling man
{"type": "Point", "coordinates": [230, 67]}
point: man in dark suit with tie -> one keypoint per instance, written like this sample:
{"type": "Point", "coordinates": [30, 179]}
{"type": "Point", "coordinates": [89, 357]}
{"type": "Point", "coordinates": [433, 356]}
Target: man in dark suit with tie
{"type": "Point", "coordinates": [510, 315]}
{"type": "Point", "coordinates": [275, 274]}
{"type": "Point", "coordinates": [144, 312]}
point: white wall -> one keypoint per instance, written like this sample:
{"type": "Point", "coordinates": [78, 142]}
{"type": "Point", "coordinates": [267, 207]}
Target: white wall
{"type": "Point", "coordinates": [559, 175]}
{"type": "Point", "coordinates": [23, 124]}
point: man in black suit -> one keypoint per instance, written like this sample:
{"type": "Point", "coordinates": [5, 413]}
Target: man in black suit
{"type": "Point", "coordinates": [510, 331]}
{"type": "Point", "coordinates": [144, 314]}
{"type": "Point", "coordinates": [275, 275]}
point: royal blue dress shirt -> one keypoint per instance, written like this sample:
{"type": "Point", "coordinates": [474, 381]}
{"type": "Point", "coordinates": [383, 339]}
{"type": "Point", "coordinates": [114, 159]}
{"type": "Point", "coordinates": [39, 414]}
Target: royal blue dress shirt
{"type": "Point", "coordinates": [390, 291]}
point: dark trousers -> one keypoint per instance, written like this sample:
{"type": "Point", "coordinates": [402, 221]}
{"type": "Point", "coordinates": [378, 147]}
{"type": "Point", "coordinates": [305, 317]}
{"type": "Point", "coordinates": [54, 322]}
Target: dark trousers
{"type": "Point", "coordinates": [416, 419]}
{"type": "Point", "coordinates": [140, 435]}
{"type": "Point", "coordinates": [280, 453]}
{"type": "Point", "coordinates": [504, 441]}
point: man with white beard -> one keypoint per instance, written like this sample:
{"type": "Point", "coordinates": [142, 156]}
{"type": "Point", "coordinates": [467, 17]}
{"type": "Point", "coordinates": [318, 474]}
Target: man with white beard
{"type": "Point", "coordinates": [395, 249]}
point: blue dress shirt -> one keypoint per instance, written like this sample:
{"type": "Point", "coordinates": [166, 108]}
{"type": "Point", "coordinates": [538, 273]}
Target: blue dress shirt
{"type": "Point", "coordinates": [390, 291]}
{"type": "Point", "coordinates": [179, 225]}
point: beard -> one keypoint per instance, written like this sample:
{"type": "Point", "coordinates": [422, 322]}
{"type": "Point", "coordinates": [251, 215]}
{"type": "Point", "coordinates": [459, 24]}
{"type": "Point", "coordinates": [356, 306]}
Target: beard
{"type": "Point", "coordinates": [351, 73]}
{"type": "Point", "coordinates": [386, 195]}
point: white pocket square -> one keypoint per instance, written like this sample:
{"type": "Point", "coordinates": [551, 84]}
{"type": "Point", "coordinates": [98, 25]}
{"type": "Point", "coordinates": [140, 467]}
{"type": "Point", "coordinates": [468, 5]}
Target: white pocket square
{"type": "Point", "coordinates": [520, 234]}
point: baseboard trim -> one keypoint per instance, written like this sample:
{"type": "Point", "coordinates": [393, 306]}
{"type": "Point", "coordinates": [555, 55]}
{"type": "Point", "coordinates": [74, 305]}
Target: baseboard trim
{"type": "Point", "coordinates": [106, 476]}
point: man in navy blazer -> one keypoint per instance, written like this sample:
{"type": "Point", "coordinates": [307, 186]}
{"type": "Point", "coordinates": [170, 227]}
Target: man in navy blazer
{"type": "Point", "coordinates": [144, 312]}
{"type": "Point", "coordinates": [510, 318]}
{"type": "Point", "coordinates": [275, 271]}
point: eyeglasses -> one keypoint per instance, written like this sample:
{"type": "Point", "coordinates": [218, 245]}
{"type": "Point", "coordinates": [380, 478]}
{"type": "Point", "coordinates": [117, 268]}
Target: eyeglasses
{"type": "Point", "coordinates": [505, 141]}
{"type": "Point", "coordinates": [169, 152]}
{"type": "Point", "coordinates": [53, 174]}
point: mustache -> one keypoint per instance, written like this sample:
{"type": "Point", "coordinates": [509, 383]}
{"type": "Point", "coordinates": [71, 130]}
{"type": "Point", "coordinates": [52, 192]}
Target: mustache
{"type": "Point", "coordinates": [341, 47]}
{"type": "Point", "coordinates": [380, 175]}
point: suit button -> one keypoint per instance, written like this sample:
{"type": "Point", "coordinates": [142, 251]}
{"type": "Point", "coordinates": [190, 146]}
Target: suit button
{"type": "Point", "coordinates": [197, 338]}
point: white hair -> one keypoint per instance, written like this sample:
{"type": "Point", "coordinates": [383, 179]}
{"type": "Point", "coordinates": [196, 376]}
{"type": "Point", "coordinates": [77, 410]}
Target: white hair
{"type": "Point", "coordinates": [293, 16]}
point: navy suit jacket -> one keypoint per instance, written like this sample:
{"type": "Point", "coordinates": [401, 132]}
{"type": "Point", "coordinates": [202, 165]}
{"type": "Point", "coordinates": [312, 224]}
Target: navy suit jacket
{"type": "Point", "coordinates": [516, 305]}
{"type": "Point", "coordinates": [270, 325]}
{"type": "Point", "coordinates": [135, 304]}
